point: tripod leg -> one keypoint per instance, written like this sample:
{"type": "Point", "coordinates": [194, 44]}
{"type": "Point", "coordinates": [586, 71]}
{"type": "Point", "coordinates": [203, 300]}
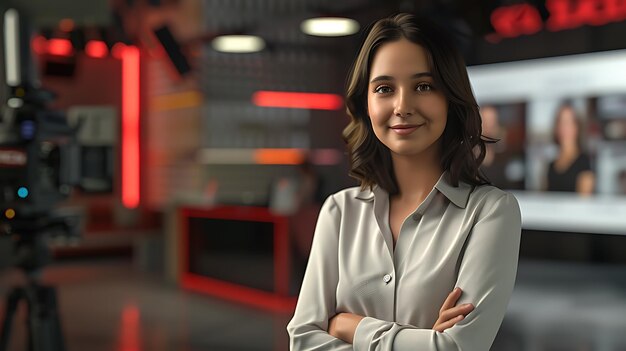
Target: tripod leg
{"type": "Point", "coordinates": [12, 302]}
{"type": "Point", "coordinates": [45, 326]}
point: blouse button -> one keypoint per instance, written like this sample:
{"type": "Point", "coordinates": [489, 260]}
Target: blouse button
{"type": "Point", "coordinates": [387, 278]}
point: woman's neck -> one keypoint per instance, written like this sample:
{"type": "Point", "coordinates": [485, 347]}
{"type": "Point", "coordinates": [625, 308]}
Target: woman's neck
{"type": "Point", "coordinates": [416, 175]}
{"type": "Point", "coordinates": [569, 149]}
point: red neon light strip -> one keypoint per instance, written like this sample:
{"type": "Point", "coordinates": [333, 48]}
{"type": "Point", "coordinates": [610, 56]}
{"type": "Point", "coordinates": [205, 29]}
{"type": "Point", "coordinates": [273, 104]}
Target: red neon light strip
{"type": "Point", "coordinates": [310, 101]}
{"type": "Point", "coordinates": [130, 127]}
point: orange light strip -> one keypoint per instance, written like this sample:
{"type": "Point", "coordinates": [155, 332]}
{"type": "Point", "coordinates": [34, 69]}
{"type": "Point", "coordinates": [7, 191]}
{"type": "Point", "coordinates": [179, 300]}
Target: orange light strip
{"type": "Point", "coordinates": [309, 101]}
{"type": "Point", "coordinates": [269, 156]}
{"type": "Point", "coordinates": [130, 127]}
{"type": "Point", "coordinates": [176, 101]}
{"type": "Point", "coordinates": [278, 156]}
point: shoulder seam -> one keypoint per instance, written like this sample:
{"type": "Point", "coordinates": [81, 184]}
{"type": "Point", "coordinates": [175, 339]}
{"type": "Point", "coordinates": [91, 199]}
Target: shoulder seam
{"type": "Point", "coordinates": [493, 207]}
{"type": "Point", "coordinates": [332, 197]}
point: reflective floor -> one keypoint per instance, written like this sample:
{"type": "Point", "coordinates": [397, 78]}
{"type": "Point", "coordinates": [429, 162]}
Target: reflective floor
{"type": "Point", "coordinates": [107, 305]}
{"type": "Point", "coordinates": [566, 307]}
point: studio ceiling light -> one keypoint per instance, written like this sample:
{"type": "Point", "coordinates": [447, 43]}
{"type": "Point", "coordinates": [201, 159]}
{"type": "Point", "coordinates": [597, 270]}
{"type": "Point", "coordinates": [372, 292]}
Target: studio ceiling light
{"type": "Point", "coordinates": [238, 43]}
{"type": "Point", "coordinates": [329, 26]}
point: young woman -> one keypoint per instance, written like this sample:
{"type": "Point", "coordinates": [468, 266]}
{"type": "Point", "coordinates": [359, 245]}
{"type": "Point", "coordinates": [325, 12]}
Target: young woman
{"type": "Point", "coordinates": [422, 256]}
{"type": "Point", "coordinates": [571, 170]}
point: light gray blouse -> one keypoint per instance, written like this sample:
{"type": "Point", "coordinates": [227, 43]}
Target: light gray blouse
{"type": "Point", "coordinates": [459, 236]}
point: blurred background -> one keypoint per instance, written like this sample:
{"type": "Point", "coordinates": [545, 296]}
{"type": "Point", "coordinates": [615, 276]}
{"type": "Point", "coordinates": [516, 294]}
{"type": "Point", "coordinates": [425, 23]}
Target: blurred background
{"type": "Point", "coordinates": [162, 164]}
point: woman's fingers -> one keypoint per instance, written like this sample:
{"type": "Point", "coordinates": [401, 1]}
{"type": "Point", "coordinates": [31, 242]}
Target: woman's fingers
{"type": "Point", "coordinates": [448, 324]}
{"type": "Point", "coordinates": [451, 300]}
{"type": "Point", "coordinates": [450, 314]}
{"type": "Point", "coordinates": [453, 312]}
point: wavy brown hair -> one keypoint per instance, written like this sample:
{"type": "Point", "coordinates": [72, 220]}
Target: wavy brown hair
{"type": "Point", "coordinates": [462, 143]}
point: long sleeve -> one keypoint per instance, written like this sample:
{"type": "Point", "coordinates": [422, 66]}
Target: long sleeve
{"type": "Point", "coordinates": [486, 274]}
{"type": "Point", "coordinates": [316, 302]}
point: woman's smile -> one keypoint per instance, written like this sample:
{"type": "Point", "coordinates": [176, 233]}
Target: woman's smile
{"type": "Point", "coordinates": [405, 129]}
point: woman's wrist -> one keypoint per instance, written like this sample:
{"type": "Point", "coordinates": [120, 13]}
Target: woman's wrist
{"type": "Point", "coordinates": [343, 326]}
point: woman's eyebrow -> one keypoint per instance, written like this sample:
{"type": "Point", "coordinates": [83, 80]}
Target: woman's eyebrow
{"type": "Point", "coordinates": [415, 76]}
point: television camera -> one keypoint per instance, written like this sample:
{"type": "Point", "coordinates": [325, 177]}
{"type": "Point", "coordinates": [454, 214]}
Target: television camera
{"type": "Point", "coordinates": [39, 165]}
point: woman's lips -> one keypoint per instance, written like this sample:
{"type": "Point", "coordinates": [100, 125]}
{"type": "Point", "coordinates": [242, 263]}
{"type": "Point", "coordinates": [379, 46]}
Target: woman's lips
{"type": "Point", "coordinates": [405, 129]}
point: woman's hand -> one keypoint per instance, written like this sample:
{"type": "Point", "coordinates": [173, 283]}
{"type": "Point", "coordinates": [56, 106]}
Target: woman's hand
{"type": "Point", "coordinates": [343, 325]}
{"type": "Point", "coordinates": [450, 314]}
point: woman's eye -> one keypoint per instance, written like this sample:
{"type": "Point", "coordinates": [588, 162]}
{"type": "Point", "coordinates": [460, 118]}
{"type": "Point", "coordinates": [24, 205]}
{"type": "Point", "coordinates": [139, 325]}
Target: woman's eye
{"type": "Point", "coordinates": [424, 87]}
{"type": "Point", "coordinates": [383, 89]}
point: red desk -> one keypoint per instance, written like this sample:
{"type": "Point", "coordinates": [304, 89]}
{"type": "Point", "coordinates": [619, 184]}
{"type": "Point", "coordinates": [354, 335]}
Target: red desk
{"type": "Point", "coordinates": [206, 227]}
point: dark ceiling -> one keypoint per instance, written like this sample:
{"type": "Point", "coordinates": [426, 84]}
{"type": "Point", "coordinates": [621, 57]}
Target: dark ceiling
{"type": "Point", "coordinates": [277, 21]}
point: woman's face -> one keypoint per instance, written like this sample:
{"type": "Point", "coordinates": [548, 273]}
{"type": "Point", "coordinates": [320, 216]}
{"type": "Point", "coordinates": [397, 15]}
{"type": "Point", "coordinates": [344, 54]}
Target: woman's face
{"type": "Point", "coordinates": [408, 112]}
{"type": "Point", "coordinates": [567, 130]}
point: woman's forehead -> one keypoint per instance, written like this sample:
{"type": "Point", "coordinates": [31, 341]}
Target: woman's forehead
{"type": "Point", "coordinates": [399, 58]}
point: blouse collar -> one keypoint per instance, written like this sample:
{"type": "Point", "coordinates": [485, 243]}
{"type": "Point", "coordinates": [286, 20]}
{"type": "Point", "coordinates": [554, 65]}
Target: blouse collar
{"type": "Point", "coordinates": [458, 195]}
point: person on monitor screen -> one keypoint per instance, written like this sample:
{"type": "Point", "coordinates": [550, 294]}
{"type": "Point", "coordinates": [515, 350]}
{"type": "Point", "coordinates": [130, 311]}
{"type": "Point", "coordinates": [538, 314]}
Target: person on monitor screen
{"type": "Point", "coordinates": [423, 255]}
{"type": "Point", "coordinates": [571, 170]}
{"type": "Point", "coordinates": [502, 166]}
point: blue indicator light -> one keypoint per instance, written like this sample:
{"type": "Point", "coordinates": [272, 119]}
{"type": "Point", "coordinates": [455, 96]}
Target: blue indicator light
{"type": "Point", "coordinates": [22, 192]}
{"type": "Point", "coordinates": [28, 129]}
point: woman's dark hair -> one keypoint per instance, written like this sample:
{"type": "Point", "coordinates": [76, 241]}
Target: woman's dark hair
{"type": "Point", "coordinates": [463, 147]}
{"type": "Point", "coordinates": [567, 105]}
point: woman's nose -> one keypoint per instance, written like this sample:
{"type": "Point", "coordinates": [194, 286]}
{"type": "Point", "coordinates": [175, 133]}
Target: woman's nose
{"type": "Point", "coordinates": [403, 106]}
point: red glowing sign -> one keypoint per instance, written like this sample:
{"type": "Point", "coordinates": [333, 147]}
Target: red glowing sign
{"type": "Point", "coordinates": [310, 101]}
{"type": "Point", "coordinates": [515, 20]}
{"type": "Point", "coordinates": [524, 19]}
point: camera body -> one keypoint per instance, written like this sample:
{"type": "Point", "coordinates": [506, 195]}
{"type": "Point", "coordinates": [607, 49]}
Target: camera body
{"type": "Point", "coordinates": [39, 158]}
{"type": "Point", "coordinates": [39, 155]}
{"type": "Point", "coordinates": [39, 165]}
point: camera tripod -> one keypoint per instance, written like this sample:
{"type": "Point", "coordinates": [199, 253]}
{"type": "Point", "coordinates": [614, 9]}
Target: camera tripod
{"type": "Point", "coordinates": [42, 320]}
{"type": "Point", "coordinates": [43, 325]}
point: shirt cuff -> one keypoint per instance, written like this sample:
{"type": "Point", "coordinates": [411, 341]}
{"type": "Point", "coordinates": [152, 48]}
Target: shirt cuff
{"type": "Point", "coordinates": [367, 330]}
{"type": "Point", "coordinates": [374, 334]}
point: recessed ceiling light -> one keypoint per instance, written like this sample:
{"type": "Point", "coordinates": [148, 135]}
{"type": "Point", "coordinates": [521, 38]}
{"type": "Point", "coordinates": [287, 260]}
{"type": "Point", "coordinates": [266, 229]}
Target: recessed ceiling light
{"type": "Point", "coordinates": [330, 26]}
{"type": "Point", "coordinates": [238, 43]}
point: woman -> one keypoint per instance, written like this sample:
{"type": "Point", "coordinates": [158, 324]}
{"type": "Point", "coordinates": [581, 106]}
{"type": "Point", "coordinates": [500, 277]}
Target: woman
{"type": "Point", "coordinates": [571, 171]}
{"type": "Point", "coordinates": [387, 256]}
